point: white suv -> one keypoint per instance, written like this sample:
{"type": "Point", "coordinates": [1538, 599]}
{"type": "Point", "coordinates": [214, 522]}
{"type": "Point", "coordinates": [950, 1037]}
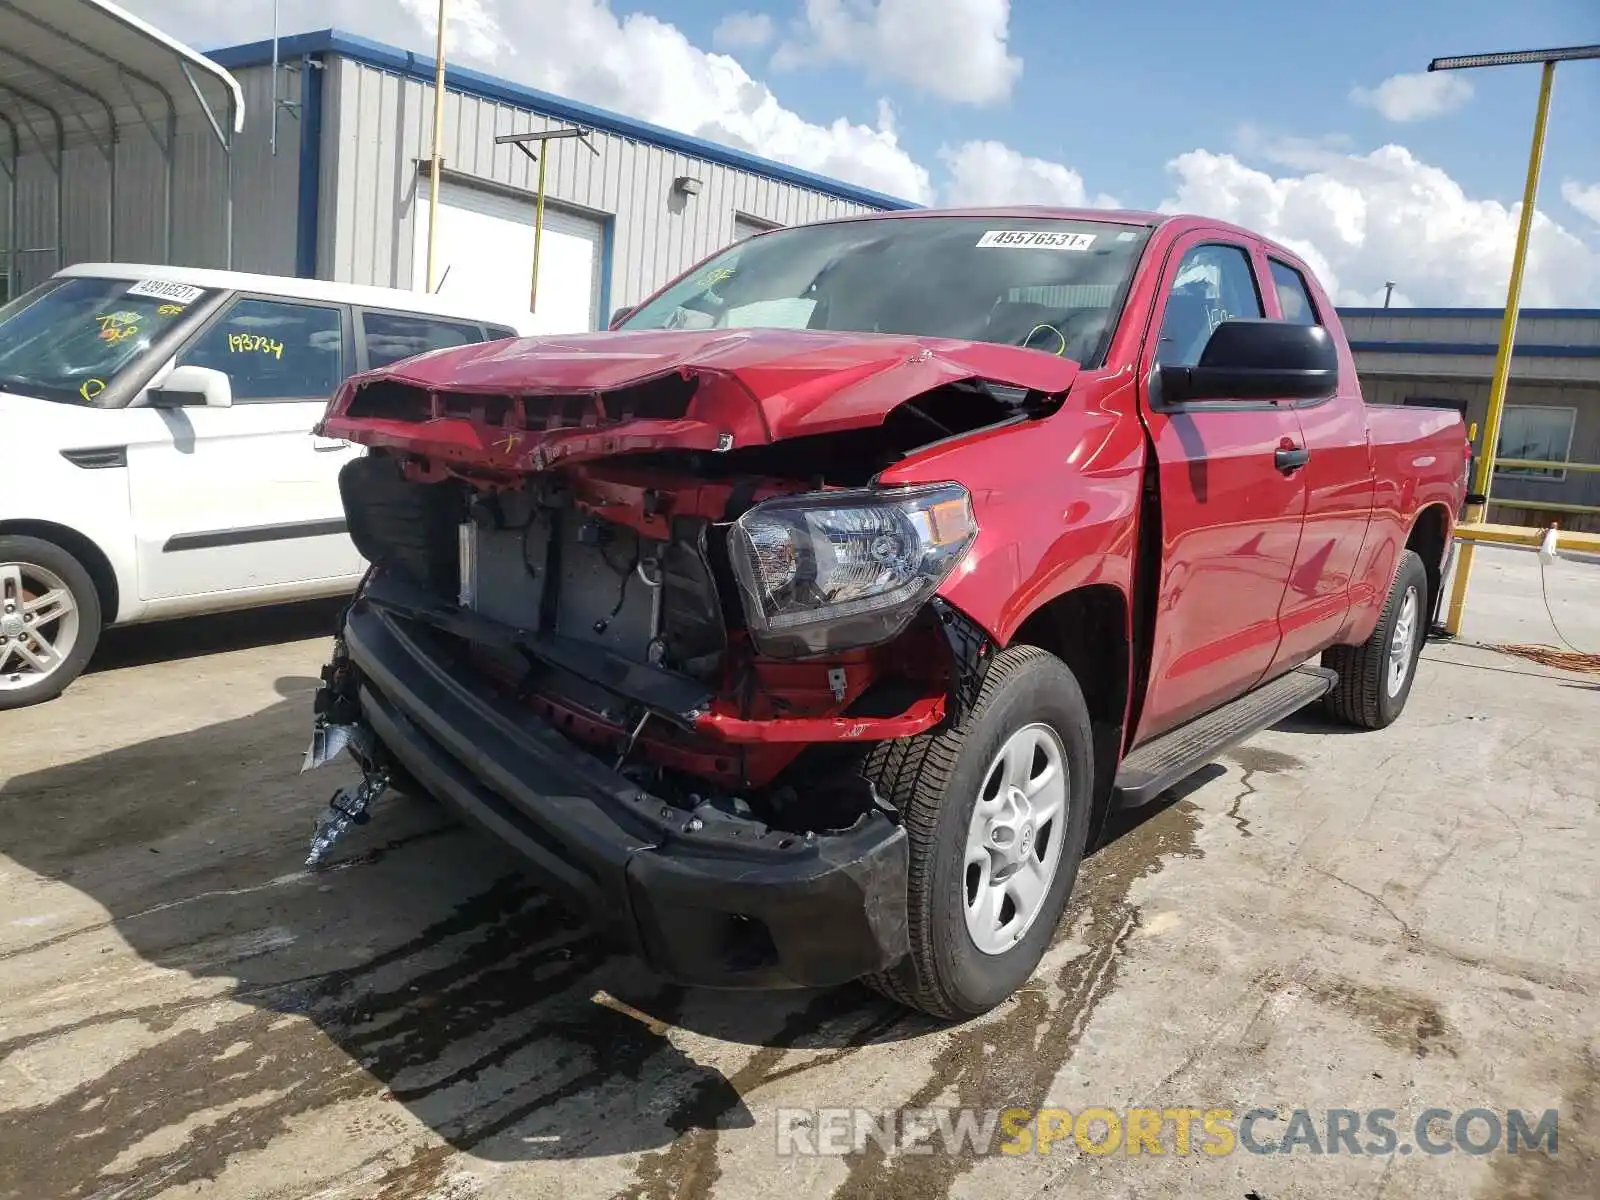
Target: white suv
{"type": "Point", "coordinates": [167, 466]}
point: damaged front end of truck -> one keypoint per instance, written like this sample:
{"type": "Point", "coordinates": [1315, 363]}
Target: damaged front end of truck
{"type": "Point", "coordinates": [641, 605]}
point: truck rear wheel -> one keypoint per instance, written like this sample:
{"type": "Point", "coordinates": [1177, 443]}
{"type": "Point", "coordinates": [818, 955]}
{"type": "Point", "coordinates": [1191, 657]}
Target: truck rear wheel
{"type": "Point", "coordinates": [996, 810]}
{"type": "Point", "coordinates": [49, 620]}
{"type": "Point", "coordinates": [1375, 677]}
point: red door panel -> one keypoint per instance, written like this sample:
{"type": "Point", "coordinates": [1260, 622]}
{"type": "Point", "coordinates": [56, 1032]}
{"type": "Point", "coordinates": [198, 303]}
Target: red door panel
{"type": "Point", "coordinates": [1338, 481]}
{"type": "Point", "coordinates": [1231, 520]}
{"type": "Point", "coordinates": [1231, 529]}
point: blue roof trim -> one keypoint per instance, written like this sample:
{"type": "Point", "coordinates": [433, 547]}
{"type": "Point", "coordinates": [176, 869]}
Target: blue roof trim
{"type": "Point", "coordinates": [1580, 314]}
{"type": "Point", "coordinates": [420, 67]}
{"type": "Point", "coordinates": [1478, 349]}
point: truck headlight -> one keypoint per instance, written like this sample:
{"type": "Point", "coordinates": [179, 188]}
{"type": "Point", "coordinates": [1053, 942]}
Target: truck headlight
{"type": "Point", "coordinates": [835, 570]}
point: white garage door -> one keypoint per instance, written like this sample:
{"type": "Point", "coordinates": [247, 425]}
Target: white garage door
{"type": "Point", "coordinates": [485, 252]}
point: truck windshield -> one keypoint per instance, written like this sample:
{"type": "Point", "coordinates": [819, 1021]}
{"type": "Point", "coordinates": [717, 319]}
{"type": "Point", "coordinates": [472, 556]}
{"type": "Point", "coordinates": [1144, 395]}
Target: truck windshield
{"type": "Point", "coordinates": [70, 342]}
{"type": "Point", "coordinates": [1048, 284]}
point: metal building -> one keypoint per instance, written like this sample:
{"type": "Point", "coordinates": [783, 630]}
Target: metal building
{"type": "Point", "coordinates": [1548, 465]}
{"type": "Point", "coordinates": [330, 178]}
{"type": "Point", "coordinates": [114, 141]}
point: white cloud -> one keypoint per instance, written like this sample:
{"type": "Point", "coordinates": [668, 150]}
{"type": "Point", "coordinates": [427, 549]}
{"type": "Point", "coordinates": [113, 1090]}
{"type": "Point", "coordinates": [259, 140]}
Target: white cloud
{"type": "Point", "coordinates": [742, 31]}
{"type": "Point", "coordinates": [1585, 199]}
{"type": "Point", "coordinates": [1415, 97]}
{"type": "Point", "coordinates": [954, 49]}
{"type": "Point", "coordinates": [990, 172]}
{"type": "Point", "coordinates": [633, 64]}
{"type": "Point", "coordinates": [471, 29]}
{"type": "Point", "coordinates": [1360, 219]}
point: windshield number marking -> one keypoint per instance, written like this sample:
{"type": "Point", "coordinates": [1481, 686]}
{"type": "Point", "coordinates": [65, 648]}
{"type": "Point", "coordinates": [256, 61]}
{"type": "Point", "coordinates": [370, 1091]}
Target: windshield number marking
{"type": "Point", "coordinates": [251, 343]}
{"type": "Point", "coordinates": [160, 289]}
{"type": "Point", "coordinates": [1035, 239]}
{"type": "Point", "coordinates": [90, 388]}
{"type": "Point", "coordinates": [169, 310]}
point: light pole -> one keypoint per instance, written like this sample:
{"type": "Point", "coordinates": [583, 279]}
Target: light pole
{"type": "Point", "coordinates": [520, 141]}
{"type": "Point", "coordinates": [1388, 291]}
{"type": "Point", "coordinates": [1478, 498]}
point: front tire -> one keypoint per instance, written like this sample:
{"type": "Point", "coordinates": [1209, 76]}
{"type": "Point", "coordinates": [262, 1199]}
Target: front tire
{"type": "Point", "coordinates": [1375, 677]}
{"type": "Point", "coordinates": [49, 620]}
{"type": "Point", "coordinates": [996, 811]}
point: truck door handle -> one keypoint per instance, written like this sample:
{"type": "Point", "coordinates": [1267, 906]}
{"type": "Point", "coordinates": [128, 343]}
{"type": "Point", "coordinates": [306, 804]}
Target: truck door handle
{"type": "Point", "coordinates": [1291, 458]}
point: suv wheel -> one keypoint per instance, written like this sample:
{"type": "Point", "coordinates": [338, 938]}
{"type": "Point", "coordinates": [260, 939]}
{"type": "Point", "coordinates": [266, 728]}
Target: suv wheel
{"type": "Point", "coordinates": [49, 620]}
{"type": "Point", "coordinates": [997, 814]}
{"type": "Point", "coordinates": [1375, 677]}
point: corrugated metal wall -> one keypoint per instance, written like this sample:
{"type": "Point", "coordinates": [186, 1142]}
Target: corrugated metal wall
{"type": "Point", "coordinates": [377, 126]}
{"type": "Point", "coordinates": [1396, 325]}
{"type": "Point", "coordinates": [264, 195]}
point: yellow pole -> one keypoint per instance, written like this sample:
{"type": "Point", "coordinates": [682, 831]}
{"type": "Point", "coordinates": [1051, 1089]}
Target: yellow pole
{"type": "Point", "coordinates": [438, 147]}
{"type": "Point", "coordinates": [538, 230]}
{"type": "Point", "coordinates": [1502, 358]}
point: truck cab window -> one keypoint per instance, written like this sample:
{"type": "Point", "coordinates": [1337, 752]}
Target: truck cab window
{"type": "Point", "coordinates": [1294, 298]}
{"type": "Point", "coordinates": [1213, 283]}
{"type": "Point", "coordinates": [274, 350]}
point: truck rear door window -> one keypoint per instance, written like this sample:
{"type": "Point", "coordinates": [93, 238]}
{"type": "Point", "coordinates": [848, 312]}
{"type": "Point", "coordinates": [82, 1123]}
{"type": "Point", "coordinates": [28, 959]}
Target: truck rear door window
{"type": "Point", "coordinates": [1294, 298]}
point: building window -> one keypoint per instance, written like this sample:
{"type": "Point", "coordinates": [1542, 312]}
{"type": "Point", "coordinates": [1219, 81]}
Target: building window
{"type": "Point", "coordinates": [746, 226]}
{"type": "Point", "coordinates": [1539, 434]}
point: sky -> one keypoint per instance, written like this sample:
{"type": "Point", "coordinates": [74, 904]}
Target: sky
{"type": "Point", "coordinates": [1318, 126]}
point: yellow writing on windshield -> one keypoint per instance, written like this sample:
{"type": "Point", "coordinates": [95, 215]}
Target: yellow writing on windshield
{"type": "Point", "coordinates": [169, 310]}
{"type": "Point", "coordinates": [115, 327]}
{"type": "Point", "coordinates": [252, 343]}
{"type": "Point", "coordinates": [90, 388]}
{"type": "Point", "coordinates": [711, 278]}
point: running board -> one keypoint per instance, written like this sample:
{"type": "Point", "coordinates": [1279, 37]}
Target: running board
{"type": "Point", "coordinates": [1174, 756]}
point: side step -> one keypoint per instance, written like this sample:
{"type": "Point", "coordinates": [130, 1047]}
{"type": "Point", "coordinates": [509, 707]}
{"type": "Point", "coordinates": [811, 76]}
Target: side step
{"type": "Point", "coordinates": [1158, 764]}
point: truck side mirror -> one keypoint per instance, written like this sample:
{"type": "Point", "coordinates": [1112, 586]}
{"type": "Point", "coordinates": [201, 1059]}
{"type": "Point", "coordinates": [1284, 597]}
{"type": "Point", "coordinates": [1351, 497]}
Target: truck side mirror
{"type": "Point", "coordinates": [1253, 360]}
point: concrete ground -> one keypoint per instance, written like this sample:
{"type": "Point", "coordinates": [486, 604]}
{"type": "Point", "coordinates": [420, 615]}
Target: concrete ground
{"type": "Point", "coordinates": [1395, 920]}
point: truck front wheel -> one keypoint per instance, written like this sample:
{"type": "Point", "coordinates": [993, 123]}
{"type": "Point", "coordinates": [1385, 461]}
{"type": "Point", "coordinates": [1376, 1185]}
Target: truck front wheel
{"type": "Point", "coordinates": [996, 810]}
{"type": "Point", "coordinates": [1375, 677]}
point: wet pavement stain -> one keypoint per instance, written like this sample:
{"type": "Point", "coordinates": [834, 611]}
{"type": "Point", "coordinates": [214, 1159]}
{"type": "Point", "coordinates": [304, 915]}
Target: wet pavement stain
{"type": "Point", "coordinates": [1252, 760]}
{"type": "Point", "coordinates": [523, 954]}
{"type": "Point", "coordinates": [689, 1167]}
{"type": "Point", "coordinates": [1403, 1019]}
{"type": "Point", "coordinates": [1573, 1170]}
{"type": "Point", "coordinates": [1014, 1057]}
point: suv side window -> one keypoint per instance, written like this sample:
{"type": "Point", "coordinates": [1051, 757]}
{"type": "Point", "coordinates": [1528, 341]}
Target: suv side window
{"type": "Point", "coordinates": [1214, 282]}
{"type": "Point", "coordinates": [390, 337]}
{"type": "Point", "coordinates": [274, 349]}
{"type": "Point", "coordinates": [1294, 298]}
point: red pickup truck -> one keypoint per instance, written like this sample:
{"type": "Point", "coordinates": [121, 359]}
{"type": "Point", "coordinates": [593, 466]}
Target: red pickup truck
{"type": "Point", "coordinates": [802, 626]}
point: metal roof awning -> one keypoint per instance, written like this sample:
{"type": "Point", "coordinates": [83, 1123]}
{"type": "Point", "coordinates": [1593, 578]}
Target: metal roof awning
{"type": "Point", "coordinates": [85, 72]}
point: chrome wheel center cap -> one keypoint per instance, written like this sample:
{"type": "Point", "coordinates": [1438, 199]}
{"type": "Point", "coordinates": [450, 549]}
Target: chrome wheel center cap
{"type": "Point", "coordinates": [11, 624]}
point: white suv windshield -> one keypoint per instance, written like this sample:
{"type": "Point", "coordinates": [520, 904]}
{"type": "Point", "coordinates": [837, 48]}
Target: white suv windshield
{"type": "Point", "coordinates": [1048, 284]}
{"type": "Point", "coordinates": [70, 342]}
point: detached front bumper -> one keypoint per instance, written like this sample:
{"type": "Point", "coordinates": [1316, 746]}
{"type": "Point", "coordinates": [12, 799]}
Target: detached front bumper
{"type": "Point", "coordinates": [721, 903]}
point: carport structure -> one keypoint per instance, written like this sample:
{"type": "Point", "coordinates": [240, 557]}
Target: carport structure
{"type": "Point", "coordinates": [80, 75]}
